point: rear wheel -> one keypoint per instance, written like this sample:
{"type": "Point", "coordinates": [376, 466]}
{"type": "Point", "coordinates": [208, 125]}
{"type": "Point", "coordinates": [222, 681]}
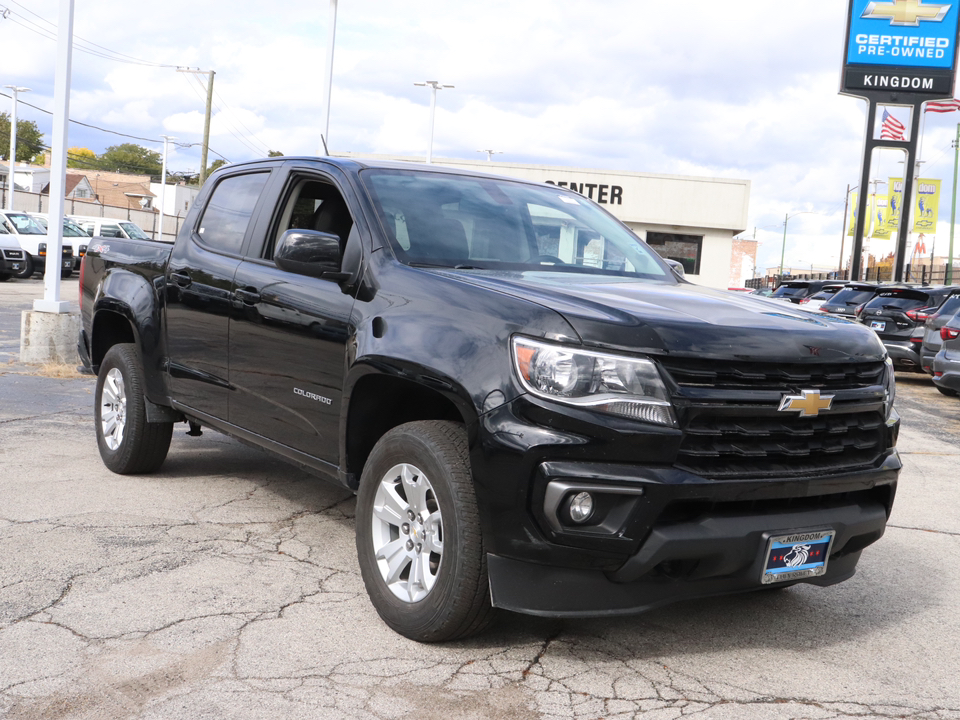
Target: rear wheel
{"type": "Point", "coordinates": [419, 543]}
{"type": "Point", "coordinates": [128, 443]}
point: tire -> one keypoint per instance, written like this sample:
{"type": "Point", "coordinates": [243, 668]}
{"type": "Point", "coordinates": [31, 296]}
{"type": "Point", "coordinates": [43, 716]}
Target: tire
{"type": "Point", "coordinates": [423, 561]}
{"type": "Point", "coordinates": [128, 443]}
{"type": "Point", "coordinates": [4, 277]}
{"type": "Point", "coordinates": [28, 267]}
{"type": "Point", "coordinates": [946, 391]}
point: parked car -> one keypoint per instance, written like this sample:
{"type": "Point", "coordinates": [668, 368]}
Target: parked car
{"type": "Point", "coordinates": [897, 314]}
{"type": "Point", "coordinates": [11, 254]}
{"type": "Point", "coordinates": [32, 239]}
{"type": "Point", "coordinates": [816, 301]}
{"type": "Point", "coordinates": [109, 227]}
{"type": "Point", "coordinates": [851, 296]}
{"type": "Point", "coordinates": [72, 234]}
{"type": "Point", "coordinates": [526, 427]}
{"type": "Point", "coordinates": [931, 330]}
{"type": "Point", "coordinates": [796, 290]}
{"type": "Point", "coordinates": [946, 363]}
{"type": "Point", "coordinates": [763, 292]}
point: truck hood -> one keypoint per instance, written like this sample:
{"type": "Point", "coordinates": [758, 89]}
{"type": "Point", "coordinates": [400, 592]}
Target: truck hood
{"type": "Point", "coordinates": [685, 319]}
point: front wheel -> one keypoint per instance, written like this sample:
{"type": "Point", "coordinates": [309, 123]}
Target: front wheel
{"type": "Point", "coordinates": [28, 267]}
{"type": "Point", "coordinates": [419, 542]}
{"type": "Point", "coordinates": [4, 277]}
{"type": "Point", "coordinates": [128, 443]}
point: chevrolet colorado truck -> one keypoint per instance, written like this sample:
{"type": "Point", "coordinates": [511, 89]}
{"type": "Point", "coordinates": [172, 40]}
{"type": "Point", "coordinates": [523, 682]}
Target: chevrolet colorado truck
{"type": "Point", "coordinates": [535, 411]}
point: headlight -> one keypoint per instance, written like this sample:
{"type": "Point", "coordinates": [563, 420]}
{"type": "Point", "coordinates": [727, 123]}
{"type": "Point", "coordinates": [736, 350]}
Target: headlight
{"type": "Point", "coordinates": [890, 389]}
{"type": "Point", "coordinates": [624, 386]}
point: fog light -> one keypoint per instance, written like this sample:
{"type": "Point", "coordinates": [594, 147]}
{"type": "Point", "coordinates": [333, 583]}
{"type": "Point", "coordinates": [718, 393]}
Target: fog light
{"type": "Point", "coordinates": [581, 507]}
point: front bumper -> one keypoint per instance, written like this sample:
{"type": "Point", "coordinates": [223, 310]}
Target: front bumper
{"type": "Point", "coordinates": [658, 533]}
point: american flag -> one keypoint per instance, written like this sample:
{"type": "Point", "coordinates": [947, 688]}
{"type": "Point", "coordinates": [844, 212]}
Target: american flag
{"type": "Point", "coordinates": [892, 129]}
{"type": "Point", "coordinates": [942, 106]}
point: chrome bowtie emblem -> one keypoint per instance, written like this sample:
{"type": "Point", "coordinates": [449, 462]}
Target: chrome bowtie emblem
{"type": "Point", "coordinates": [808, 403]}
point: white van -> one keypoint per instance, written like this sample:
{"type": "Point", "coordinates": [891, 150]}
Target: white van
{"type": "Point", "coordinates": [109, 227]}
{"type": "Point", "coordinates": [11, 254]}
{"type": "Point", "coordinates": [73, 235]}
{"type": "Point", "coordinates": [32, 238]}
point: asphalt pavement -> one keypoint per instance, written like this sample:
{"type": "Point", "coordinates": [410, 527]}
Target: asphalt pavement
{"type": "Point", "coordinates": [226, 586]}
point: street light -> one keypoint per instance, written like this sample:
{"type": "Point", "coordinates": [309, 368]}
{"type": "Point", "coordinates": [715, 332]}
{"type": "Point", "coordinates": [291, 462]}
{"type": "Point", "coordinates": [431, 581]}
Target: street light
{"type": "Point", "coordinates": [13, 142]}
{"type": "Point", "coordinates": [163, 181]}
{"type": "Point", "coordinates": [434, 86]}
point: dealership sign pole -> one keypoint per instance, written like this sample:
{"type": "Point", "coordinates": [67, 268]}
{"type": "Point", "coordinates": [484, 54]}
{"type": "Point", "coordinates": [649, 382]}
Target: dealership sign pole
{"type": "Point", "coordinates": [898, 54]}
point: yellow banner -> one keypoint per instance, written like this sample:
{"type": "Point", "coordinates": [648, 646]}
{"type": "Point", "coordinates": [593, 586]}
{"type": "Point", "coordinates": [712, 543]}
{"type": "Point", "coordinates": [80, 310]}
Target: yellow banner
{"type": "Point", "coordinates": [894, 202]}
{"type": "Point", "coordinates": [927, 205]}
{"type": "Point", "coordinates": [879, 212]}
{"type": "Point", "coordinates": [854, 197]}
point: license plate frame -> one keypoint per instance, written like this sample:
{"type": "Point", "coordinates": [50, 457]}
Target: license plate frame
{"type": "Point", "coordinates": [789, 557]}
{"type": "Point", "coordinates": [878, 324]}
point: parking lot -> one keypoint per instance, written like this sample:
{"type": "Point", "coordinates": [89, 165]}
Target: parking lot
{"type": "Point", "coordinates": [226, 586]}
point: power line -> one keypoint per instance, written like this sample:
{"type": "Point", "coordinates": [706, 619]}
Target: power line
{"type": "Point", "coordinates": [230, 129]}
{"type": "Point", "coordinates": [103, 52]}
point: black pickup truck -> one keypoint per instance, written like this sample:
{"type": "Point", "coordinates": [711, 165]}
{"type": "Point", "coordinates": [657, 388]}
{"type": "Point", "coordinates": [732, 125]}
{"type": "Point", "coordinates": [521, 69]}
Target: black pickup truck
{"type": "Point", "coordinates": [536, 413]}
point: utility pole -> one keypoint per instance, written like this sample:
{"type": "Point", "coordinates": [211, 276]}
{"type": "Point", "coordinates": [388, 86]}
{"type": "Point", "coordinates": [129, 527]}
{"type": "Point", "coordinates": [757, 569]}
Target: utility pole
{"type": "Point", "coordinates": [13, 143]}
{"type": "Point", "coordinates": [328, 79]}
{"type": "Point", "coordinates": [206, 119]}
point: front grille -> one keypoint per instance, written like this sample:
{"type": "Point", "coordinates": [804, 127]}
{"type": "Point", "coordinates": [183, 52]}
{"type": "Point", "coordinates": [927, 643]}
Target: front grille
{"type": "Point", "coordinates": [692, 372]}
{"type": "Point", "coordinates": [731, 447]}
{"type": "Point", "coordinates": [727, 435]}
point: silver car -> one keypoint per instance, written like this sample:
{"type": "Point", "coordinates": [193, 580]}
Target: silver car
{"type": "Point", "coordinates": [931, 330]}
{"type": "Point", "coordinates": [946, 363]}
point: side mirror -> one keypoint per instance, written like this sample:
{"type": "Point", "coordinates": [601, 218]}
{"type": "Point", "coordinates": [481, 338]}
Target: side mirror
{"type": "Point", "coordinates": [676, 266]}
{"type": "Point", "coordinates": [308, 252]}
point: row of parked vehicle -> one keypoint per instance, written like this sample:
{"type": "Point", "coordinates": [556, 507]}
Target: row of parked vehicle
{"type": "Point", "coordinates": [23, 247]}
{"type": "Point", "coordinates": [918, 324]}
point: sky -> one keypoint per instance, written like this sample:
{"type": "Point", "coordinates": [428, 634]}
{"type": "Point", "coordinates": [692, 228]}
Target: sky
{"type": "Point", "coordinates": [745, 89]}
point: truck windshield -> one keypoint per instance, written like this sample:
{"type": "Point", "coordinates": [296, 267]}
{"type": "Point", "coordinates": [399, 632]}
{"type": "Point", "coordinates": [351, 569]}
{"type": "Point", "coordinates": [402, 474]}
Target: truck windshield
{"type": "Point", "coordinates": [25, 224]}
{"type": "Point", "coordinates": [134, 231]}
{"type": "Point", "coordinates": [438, 220]}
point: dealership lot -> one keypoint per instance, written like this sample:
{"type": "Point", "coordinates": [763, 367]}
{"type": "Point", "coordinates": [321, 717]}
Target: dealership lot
{"type": "Point", "coordinates": [226, 585]}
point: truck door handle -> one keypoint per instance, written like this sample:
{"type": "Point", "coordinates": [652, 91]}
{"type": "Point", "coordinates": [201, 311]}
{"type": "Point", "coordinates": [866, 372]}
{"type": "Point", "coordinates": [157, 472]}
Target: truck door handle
{"type": "Point", "coordinates": [248, 297]}
{"type": "Point", "coordinates": [182, 279]}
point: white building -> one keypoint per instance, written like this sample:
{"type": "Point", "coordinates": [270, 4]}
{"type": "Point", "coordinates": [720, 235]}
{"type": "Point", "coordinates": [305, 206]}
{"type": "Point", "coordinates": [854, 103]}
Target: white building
{"type": "Point", "coordinates": [689, 219]}
{"type": "Point", "coordinates": [177, 199]}
{"type": "Point", "coordinates": [29, 178]}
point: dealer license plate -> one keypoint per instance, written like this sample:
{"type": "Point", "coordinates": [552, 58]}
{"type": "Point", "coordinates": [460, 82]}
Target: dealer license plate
{"type": "Point", "coordinates": [796, 556]}
{"type": "Point", "coordinates": [877, 324]}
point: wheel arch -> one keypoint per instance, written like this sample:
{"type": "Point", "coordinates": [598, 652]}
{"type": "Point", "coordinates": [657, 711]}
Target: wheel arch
{"type": "Point", "coordinates": [382, 398]}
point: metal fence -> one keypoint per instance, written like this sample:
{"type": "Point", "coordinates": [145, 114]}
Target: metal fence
{"type": "Point", "coordinates": [921, 274]}
{"type": "Point", "coordinates": [147, 220]}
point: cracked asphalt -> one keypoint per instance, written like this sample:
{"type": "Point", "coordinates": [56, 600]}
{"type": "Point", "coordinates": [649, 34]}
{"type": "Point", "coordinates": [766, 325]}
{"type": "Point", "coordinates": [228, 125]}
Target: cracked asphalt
{"type": "Point", "coordinates": [226, 586]}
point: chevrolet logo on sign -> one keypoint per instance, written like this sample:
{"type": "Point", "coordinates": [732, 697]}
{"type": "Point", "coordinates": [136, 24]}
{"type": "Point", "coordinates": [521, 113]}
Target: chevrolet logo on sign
{"type": "Point", "coordinates": [905, 13]}
{"type": "Point", "coordinates": [808, 403]}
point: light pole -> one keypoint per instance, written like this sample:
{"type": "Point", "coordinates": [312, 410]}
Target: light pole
{"type": "Point", "coordinates": [491, 153]}
{"type": "Point", "coordinates": [783, 247]}
{"type": "Point", "coordinates": [948, 277]}
{"type": "Point", "coordinates": [434, 85]}
{"type": "Point", "coordinates": [163, 181]}
{"type": "Point", "coordinates": [328, 79]}
{"type": "Point", "coordinates": [13, 142]}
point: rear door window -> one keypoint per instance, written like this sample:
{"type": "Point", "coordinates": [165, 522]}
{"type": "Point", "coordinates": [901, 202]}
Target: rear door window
{"type": "Point", "coordinates": [226, 218]}
{"type": "Point", "coordinates": [851, 297]}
